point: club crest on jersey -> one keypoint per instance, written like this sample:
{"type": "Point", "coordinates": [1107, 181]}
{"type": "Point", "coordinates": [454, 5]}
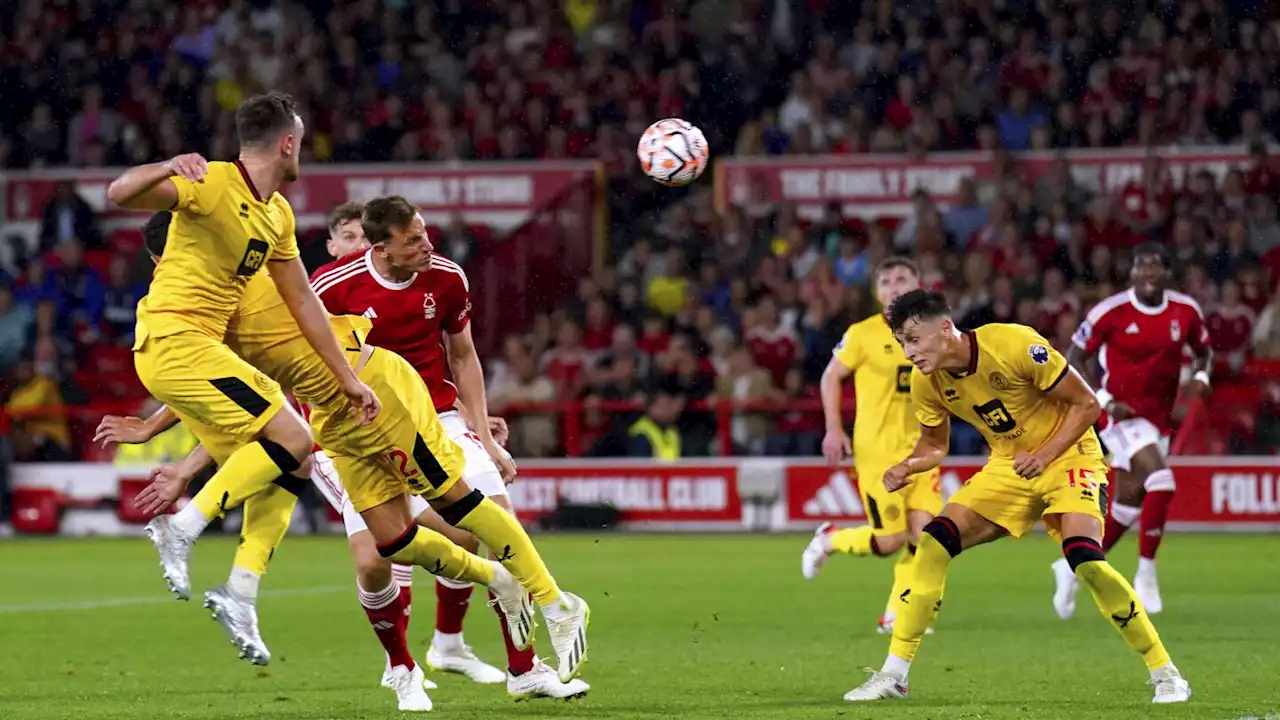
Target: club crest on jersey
{"type": "Point", "coordinates": [1175, 331]}
{"type": "Point", "coordinates": [429, 306]}
{"type": "Point", "coordinates": [1039, 354]}
{"type": "Point", "coordinates": [999, 381]}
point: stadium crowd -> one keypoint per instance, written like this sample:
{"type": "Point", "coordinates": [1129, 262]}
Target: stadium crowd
{"type": "Point", "coordinates": [744, 305]}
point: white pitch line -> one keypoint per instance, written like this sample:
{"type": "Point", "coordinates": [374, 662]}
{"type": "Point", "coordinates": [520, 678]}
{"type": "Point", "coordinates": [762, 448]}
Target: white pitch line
{"type": "Point", "coordinates": [155, 600]}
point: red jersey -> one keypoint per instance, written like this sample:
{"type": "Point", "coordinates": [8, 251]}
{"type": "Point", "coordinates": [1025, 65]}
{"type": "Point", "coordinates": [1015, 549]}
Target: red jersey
{"type": "Point", "coordinates": [1232, 327]}
{"type": "Point", "coordinates": [410, 318]}
{"type": "Point", "coordinates": [774, 350]}
{"type": "Point", "coordinates": [1140, 349]}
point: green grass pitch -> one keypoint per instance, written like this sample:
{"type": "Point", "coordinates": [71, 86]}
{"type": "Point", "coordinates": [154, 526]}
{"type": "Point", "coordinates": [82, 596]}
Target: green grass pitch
{"type": "Point", "coordinates": [683, 627]}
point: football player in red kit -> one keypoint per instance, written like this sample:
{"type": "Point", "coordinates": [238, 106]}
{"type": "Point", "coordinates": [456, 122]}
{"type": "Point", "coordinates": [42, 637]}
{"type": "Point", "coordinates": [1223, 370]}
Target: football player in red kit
{"type": "Point", "coordinates": [1138, 337]}
{"type": "Point", "coordinates": [420, 305]}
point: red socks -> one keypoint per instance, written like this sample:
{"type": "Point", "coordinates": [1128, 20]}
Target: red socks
{"type": "Point", "coordinates": [452, 601]}
{"type": "Point", "coordinates": [1155, 511]}
{"type": "Point", "coordinates": [519, 661]}
{"type": "Point", "coordinates": [403, 576]}
{"type": "Point", "coordinates": [387, 610]}
{"type": "Point", "coordinates": [1120, 519]}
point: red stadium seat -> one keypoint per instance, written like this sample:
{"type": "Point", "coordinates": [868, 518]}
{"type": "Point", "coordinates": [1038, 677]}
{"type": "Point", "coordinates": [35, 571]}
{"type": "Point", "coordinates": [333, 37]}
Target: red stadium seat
{"type": "Point", "coordinates": [37, 511]}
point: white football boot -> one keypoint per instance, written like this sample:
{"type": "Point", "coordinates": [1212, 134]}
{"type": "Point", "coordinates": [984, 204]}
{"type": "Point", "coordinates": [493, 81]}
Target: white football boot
{"type": "Point", "coordinates": [541, 682]}
{"type": "Point", "coordinates": [567, 626]}
{"type": "Point", "coordinates": [1065, 587]}
{"type": "Point", "coordinates": [411, 692]}
{"type": "Point", "coordinates": [880, 686]}
{"type": "Point", "coordinates": [815, 554]}
{"type": "Point", "coordinates": [1170, 686]}
{"type": "Point", "coordinates": [516, 607]}
{"type": "Point", "coordinates": [389, 682]}
{"type": "Point", "coordinates": [239, 617]}
{"type": "Point", "coordinates": [1147, 587]}
{"type": "Point", "coordinates": [462, 660]}
{"type": "Point", "coordinates": [175, 548]}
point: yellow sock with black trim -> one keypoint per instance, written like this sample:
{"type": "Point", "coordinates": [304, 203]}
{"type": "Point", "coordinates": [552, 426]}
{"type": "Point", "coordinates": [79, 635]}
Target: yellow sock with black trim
{"type": "Point", "coordinates": [901, 574]}
{"type": "Point", "coordinates": [248, 471]}
{"type": "Point", "coordinates": [436, 553]}
{"type": "Point", "coordinates": [1116, 599]}
{"type": "Point", "coordinates": [508, 541]}
{"type": "Point", "coordinates": [860, 541]}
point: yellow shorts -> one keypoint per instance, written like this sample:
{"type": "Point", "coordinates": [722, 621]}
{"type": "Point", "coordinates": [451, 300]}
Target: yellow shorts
{"type": "Point", "coordinates": [203, 380]}
{"type": "Point", "coordinates": [1071, 484]}
{"type": "Point", "coordinates": [888, 511]}
{"type": "Point", "coordinates": [404, 450]}
{"type": "Point", "coordinates": [218, 443]}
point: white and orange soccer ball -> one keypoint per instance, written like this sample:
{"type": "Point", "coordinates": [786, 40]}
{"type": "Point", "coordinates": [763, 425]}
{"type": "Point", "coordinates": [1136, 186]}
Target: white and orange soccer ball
{"type": "Point", "coordinates": [673, 152]}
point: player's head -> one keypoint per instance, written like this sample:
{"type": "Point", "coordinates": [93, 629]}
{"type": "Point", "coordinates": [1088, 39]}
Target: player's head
{"type": "Point", "coordinates": [269, 125]}
{"type": "Point", "coordinates": [156, 233]}
{"type": "Point", "coordinates": [1150, 272]}
{"type": "Point", "coordinates": [346, 235]}
{"type": "Point", "coordinates": [921, 321]}
{"type": "Point", "coordinates": [896, 276]}
{"type": "Point", "coordinates": [394, 227]}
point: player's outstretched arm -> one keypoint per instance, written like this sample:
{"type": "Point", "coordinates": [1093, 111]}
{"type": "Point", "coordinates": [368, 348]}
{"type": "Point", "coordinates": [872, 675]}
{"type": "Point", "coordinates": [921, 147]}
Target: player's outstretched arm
{"type": "Point", "coordinates": [928, 453]}
{"type": "Point", "coordinates": [464, 363]}
{"type": "Point", "coordinates": [168, 482]}
{"type": "Point", "coordinates": [132, 430]}
{"type": "Point", "coordinates": [290, 278]}
{"type": "Point", "coordinates": [147, 187]}
{"type": "Point", "coordinates": [835, 443]}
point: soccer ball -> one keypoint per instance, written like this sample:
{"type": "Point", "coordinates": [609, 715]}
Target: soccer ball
{"type": "Point", "coordinates": [673, 152]}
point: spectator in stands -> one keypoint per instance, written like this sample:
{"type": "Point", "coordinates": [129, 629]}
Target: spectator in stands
{"type": "Point", "coordinates": [43, 436]}
{"type": "Point", "coordinates": [1264, 231]}
{"type": "Point", "coordinates": [1266, 332]}
{"type": "Point", "coordinates": [773, 346]}
{"type": "Point", "coordinates": [666, 290]}
{"type": "Point", "coordinates": [68, 218]}
{"type": "Point", "coordinates": [680, 373]}
{"type": "Point", "coordinates": [798, 432]}
{"type": "Point", "coordinates": [532, 434]}
{"type": "Point", "coordinates": [966, 216]}
{"type": "Point", "coordinates": [566, 363]}
{"type": "Point", "coordinates": [457, 242]}
{"type": "Point", "coordinates": [15, 326]}
{"type": "Point", "coordinates": [120, 301]}
{"type": "Point", "coordinates": [1230, 324]}
{"type": "Point", "coordinates": [81, 290]}
{"type": "Point", "coordinates": [744, 382]}
{"type": "Point", "coordinates": [656, 435]}
{"type": "Point", "coordinates": [1018, 120]}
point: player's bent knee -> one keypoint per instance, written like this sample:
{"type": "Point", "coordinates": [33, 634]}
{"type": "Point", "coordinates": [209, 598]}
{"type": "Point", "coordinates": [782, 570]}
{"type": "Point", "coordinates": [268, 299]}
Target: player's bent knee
{"type": "Point", "coordinates": [454, 513]}
{"type": "Point", "coordinates": [945, 531]}
{"type": "Point", "coordinates": [886, 545]}
{"type": "Point", "coordinates": [1080, 550]}
{"type": "Point", "coordinates": [285, 460]}
{"type": "Point", "coordinates": [373, 571]}
{"type": "Point", "coordinates": [389, 549]}
{"type": "Point", "coordinates": [1159, 481]}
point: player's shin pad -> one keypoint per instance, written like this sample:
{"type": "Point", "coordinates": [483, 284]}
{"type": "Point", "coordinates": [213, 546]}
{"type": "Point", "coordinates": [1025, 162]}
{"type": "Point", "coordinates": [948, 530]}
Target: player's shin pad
{"type": "Point", "coordinates": [433, 551]}
{"type": "Point", "coordinates": [510, 544]}
{"type": "Point", "coordinates": [1116, 599]}
{"type": "Point", "coordinates": [919, 603]}
{"type": "Point", "coordinates": [901, 578]}
{"type": "Point", "coordinates": [248, 471]}
{"type": "Point", "coordinates": [266, 520]}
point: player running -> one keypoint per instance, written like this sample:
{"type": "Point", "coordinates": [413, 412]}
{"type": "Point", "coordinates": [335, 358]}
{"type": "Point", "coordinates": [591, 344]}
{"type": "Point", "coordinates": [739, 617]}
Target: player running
{"type": "Point", "coordinates": [1037, 414]}
{"type": "Point", "coordinates": [884, 430]}
{"type": "Point", "coordinates": [419, 303]}
{"type": "Point", "coordinates": [1138, 337]}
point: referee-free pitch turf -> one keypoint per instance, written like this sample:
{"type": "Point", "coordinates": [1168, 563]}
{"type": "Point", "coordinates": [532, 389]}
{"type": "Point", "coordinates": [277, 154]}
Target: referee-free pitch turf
{"type": "Point", "coordinates": [683, 627]}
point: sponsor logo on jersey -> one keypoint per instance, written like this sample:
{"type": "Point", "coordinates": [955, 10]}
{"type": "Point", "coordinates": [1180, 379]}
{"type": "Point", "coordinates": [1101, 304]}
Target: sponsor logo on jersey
{"type": "Point", "coordinates": [369, 314]}
{"type": "Point", "coordinates": [1132, 329]}
{"type": "Point", "coordinates": [429, 306]}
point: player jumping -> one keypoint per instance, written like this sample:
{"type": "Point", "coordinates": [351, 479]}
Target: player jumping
{"type": "Point", "coordinates": [1138, 336]}
{"type": "Point", "coordinates": [1046, 463]}
{"type": "Point", "coordinates": [884, 429]}
{"type": "Point", "coordinates": [420, 303]}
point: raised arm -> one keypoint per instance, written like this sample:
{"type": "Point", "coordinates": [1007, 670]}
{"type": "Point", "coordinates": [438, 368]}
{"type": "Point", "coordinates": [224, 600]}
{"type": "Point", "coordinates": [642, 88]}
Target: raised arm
{"type": "Point", "coordinates": [290, 278]}
{"type": "Point", "coordinates": [147, 187]}
{"type": "Point", "coordinates": [835, 444]}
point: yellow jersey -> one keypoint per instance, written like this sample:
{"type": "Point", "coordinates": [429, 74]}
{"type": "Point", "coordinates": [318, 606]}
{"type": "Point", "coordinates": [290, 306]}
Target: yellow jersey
{"type": "Point", "coordinates": [884, 425]}
{"type": "Point", "coordinates": [1003, 392]}
{"type": "Point", "coordinates": [221, 235]}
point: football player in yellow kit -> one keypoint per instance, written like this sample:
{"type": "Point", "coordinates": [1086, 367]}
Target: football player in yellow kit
{"type": "Point", "coordinates": [1037, 415]}
{"type": "Point", "coordinates": [884, 429]}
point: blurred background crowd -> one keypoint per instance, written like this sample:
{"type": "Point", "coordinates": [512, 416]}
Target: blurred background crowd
{"type": "Point", "coordinates": [742, 304]}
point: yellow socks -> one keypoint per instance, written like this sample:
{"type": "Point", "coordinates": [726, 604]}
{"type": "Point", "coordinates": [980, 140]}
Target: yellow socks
{"type": "Point", "coordinates": [508, 541]}
{"type": "Point", "coordinates": [246, 473]}
{"type": "Point", "coordinates": [433, 551]}
{"type": "Point", "coordinates": [921, 599]}
{"type": "Point", "coordinates": [901, 574]}
{"type": "Point", "coordinates": [266, 520]}
{"type": "Point", "coordinates": [1119, 604]}
{"type": "Point", "coordinates": [853, 541]}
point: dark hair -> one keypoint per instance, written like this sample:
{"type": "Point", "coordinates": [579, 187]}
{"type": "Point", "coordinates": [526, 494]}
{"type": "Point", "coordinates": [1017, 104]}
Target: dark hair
{"type": "Point", "coordinates": [382, 214]}
{"type": "Point", "coordinates": [156, 232]}
{"type": "Point", "coordinates": [897, 261]}
{"type": "Point", "coordinates": [1154, 248]}
{"type": "Point", "coordinates": [345, 213]}
{"type": "Point", "coordinates": [263, 118]}
{"type": "Point", "coordinates": [917, 305]}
